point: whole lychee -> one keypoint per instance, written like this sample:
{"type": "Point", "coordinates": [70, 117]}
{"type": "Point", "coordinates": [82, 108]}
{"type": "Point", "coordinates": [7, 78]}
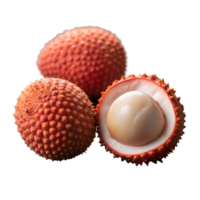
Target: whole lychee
{"type": "Point", "coordinates": [55, 118]}
{"type": "Point", "coordinates": [90, 57]}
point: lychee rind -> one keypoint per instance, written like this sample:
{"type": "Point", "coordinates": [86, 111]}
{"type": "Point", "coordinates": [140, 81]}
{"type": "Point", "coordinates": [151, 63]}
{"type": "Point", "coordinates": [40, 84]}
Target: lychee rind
{"type": "Point", "coordinates": [55, 119]}
{"type": "Point", "coordinates": [90, 57]}
{"type": "Point", "coordinates": [162, 151]}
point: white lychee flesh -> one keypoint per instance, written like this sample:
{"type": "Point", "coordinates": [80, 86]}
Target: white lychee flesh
{"type": "Point", "coordinates": [158, 94]}
{"type": "Point", "coordinates": [135, 119]}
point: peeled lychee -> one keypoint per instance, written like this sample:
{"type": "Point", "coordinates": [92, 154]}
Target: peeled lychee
{"type": "Point", "coordinates": [90, 57]}
{"type": "Point", "coordinates": [140, 119]}
{"type": "Point", "coordinates": [55, 119]}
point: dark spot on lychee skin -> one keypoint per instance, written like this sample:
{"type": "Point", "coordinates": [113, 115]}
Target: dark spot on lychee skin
{"type": "Point", "coordinates": [26, 111]}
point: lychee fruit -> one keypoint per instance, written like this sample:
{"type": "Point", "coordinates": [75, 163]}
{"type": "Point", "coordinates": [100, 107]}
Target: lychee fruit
{"type": "Point", "coordinates": [90, 57]}
{"type": "Point", "coordinates": [140, 119]}
{"type": "Point", "coordinates": [55, 119]}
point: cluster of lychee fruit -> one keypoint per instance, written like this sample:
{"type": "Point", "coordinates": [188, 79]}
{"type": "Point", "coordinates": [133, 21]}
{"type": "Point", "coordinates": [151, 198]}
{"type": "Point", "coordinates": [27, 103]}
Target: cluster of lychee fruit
{"type": "Point", "coordinates": [138, 118]}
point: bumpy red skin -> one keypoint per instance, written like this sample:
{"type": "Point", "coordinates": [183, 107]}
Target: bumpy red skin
{"type": "Point", "coordinates": [55, 119]}
{"type": "Point", "coordinates": [90, 57]}
{"type": "Point", "coordinates": [169, 145]}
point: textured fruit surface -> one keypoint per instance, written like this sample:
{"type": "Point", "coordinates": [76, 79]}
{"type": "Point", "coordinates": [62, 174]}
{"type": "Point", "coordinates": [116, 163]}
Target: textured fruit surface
{"type": "Point", "coordinates": [55, 118]}
{"type": "Point", "coordinates": [169, 103]}
{"type": "Point", "coordinates": [90, 57]}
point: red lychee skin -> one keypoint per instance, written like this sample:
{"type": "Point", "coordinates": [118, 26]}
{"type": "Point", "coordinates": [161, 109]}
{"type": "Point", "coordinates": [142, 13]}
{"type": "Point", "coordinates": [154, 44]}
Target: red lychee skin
{"type": "Point", "coordinates": [55, 119]}
{"type": "Point", "coordinates": [90, 57]}
{"type": "Point", "coordinates": [163, 151]}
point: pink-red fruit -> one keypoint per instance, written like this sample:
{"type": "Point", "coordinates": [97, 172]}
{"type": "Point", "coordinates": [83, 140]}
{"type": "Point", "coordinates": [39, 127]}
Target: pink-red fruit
{"type": "Point", "coordinates": [55, 118]}
{"type": "Point", "coordinates": [90, 57]}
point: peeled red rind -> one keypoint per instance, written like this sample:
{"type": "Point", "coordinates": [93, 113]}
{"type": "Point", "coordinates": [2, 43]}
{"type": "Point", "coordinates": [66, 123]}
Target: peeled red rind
{"type": "Point", "coordinates": [169, 103]}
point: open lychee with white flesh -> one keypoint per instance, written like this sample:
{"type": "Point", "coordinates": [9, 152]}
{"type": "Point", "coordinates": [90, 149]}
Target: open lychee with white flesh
{"type": "Point", "coordinates": [140, 119]}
